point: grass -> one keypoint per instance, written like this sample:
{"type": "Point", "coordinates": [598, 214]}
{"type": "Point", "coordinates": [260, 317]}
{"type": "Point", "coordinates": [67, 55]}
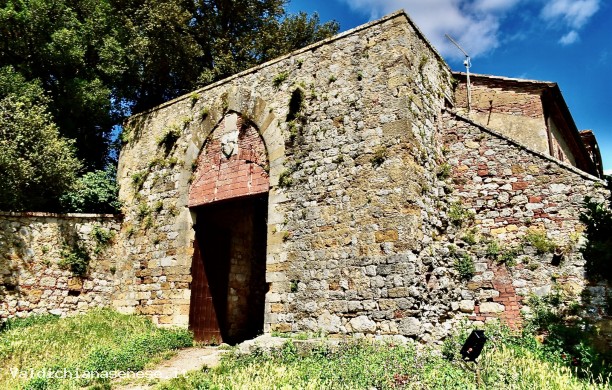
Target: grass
{"type": "Point", "coordinates": [367, 365]}
{"type": "Point", "coordinates": [105, 340]}
{"type": "Point", "coordinates": [101, 340]}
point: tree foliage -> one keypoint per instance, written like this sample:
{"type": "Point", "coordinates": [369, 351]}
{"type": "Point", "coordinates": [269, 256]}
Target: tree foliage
{"type": "Point", "coordinates": [75, 50]}
{"type": "Point", "coordinates": [181, 45]}
{"type": "Point", "coordinates": [90, 63]}
{"type": "Point", "coordinates": [94, 192]}
{"type": "Point", "coordinates": [37, 165]}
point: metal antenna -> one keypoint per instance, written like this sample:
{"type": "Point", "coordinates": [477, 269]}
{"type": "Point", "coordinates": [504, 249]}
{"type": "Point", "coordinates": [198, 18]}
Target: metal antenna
{"type": "Point", "coordinates": [467, 63]}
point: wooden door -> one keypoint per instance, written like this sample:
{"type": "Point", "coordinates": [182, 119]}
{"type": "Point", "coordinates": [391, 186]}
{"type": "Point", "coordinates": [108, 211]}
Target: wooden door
{"type": "Point", "coordinates": [203, 320]}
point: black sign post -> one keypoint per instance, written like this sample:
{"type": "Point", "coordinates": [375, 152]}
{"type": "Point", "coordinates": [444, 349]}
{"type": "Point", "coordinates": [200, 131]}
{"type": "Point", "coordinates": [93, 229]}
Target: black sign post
{"type": "Point", "coordinates": [472, 348]}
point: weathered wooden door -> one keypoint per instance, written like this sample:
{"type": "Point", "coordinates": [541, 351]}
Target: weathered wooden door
{"type": "Point", "coordinates": [207, 306]}
{"type": "Point", "coordinates": [229, 268]}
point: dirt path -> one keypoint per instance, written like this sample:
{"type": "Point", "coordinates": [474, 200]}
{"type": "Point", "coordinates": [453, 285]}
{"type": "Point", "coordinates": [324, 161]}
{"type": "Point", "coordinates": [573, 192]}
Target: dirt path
{"type": "Point", "coordinates": [189, 359]}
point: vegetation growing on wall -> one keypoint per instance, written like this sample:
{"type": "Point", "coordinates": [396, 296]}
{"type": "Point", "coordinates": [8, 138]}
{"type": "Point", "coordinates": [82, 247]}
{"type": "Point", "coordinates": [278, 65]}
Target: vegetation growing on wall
{"type": "Point", "coordinates": [102, 237]}
{"type": "Point", "coordinates": [75, 258]}
{"type": "Point", "coordinates": [458, 215]}
{"type": "Point", "coordinates": [597, 251]}
{"type": "Point", "coordinates": [539, 240]}
{"type": "Point", "coordinates": [464, 265]}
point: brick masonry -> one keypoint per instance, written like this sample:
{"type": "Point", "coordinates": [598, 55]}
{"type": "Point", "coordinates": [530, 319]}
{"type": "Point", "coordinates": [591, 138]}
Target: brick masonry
{"type": "Point", "coordinates": [232, 164]}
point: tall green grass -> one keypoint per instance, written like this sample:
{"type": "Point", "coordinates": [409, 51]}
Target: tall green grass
{"type": "Point", "coordinates": [100, 340]}
{"type": "Point", "coordinates": [365, 365]}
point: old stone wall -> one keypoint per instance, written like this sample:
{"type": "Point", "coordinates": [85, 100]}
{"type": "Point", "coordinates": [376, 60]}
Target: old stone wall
{"type": "Point", "coordinates": [377, 208]}
{"type": "Point", "coordinates": [349, 126]}
{"type": "Point", "coordinates": [371, 229]}
{"type": "Point", "coordinates": [35, 253]}
{"type": "Point", "coordinates": [516, 215]}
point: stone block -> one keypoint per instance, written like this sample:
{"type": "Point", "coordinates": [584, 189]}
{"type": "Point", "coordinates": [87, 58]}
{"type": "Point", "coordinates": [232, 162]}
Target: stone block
{"type": "Point", "coordinates": [466, 306]}
{"type": "Point", "coordinates": [362, 324]}
{"type": "Point", "coordinates": [409, 326]}
{"type": "Point", "coordinates": [491, 307]}
{"type": "Point", "coordinates": [386, 236]}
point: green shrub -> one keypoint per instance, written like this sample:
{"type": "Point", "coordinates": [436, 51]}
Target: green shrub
{"type": "Point", "coordinates": [169, 138]}
{"type": "Point", "coordinates": [509, 256]}
{"type": "Point", "coordinates": [464, 264]}
{"type": "Point", "coordinates": [94, 192]}
{"type": "Point", "coordinates": [493, 249]}
{"type": "Point", "coordinates": [568, 339]}
{"type": "Point", "coordinates": [279, 79]}
{"type": "Point", "coordinates": [138, 179]}
{"type": "Point", "coordinates": [470, 237]}
{"type": "Point", "coordinates": [444, 171]}
{"type": "Point", "coordinates": [75, 258]}
{"type": "Point", "coordinates": [597, 251]}
{"type": "Point", "coordinates": [458, 215]}
{"type": "Point", "coordinates": [37, 164]}
{"type": "Point", "coordinates": [285, 180]}
{"type": "Point", "coordinates": [539, 240]}
{"type": "Point", "coordinates": [102, 237]}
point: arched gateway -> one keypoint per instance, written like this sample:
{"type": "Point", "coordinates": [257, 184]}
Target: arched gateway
{"type": "Point", "coordinates": [228, 198]}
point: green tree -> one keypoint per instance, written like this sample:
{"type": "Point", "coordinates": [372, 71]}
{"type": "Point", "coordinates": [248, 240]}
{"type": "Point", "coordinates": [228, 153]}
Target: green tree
{"type": "Point", "coordinates": [94, 192]}
{"type": "Point", "coordinates": [178, 46]}
{"type": "Point", "coordinates": [37, 165]}
{"type": "Point", "coordinates": [75, 49]}
{"type": "Point", "coordinates": [96, 61]}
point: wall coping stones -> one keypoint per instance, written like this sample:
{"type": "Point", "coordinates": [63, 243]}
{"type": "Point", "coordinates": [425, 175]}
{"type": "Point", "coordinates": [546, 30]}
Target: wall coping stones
{"type": "Point", "coordinates": [26, 214]}
{"type": "Point", "coordinates": [526, 148]}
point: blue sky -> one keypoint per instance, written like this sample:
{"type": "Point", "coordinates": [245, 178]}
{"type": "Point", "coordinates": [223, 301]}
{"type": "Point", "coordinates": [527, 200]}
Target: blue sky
{"type": "Point", "coordinates": [565, 41]}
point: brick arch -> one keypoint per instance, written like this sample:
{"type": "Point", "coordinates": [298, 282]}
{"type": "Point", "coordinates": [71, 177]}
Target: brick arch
{"type": "Point", "coordinates": [233, 163]}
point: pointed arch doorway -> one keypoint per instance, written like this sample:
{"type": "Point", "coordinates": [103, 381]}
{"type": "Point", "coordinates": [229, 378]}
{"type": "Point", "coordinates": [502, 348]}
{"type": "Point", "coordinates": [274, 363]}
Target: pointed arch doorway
{"type": "Point", "coordinates": [228, 199]}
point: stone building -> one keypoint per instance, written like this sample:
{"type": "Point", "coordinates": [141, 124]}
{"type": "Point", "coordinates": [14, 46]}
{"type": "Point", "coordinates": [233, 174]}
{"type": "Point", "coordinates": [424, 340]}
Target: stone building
{"type": "Point", "coordinates": [344, 188]}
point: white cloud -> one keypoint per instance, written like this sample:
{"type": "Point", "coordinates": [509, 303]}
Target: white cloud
{"type": "Point", "coordinates": [569, 38]}
{"type": "Point", "coordinates": [477, 24]}
{"type": "Point", "coordinates": [474, 23]}
{"type": "Point", "coordinates": [494, 5]}
{"type": "Point", "coordinates": [608, 172]}
{"type": "Point", "coordinates": [573, 13]}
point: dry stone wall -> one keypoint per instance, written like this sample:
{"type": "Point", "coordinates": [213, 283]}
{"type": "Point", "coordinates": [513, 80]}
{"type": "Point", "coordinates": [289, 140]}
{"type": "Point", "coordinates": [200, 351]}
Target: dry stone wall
{"type": "Point", "coordinates": [35, 276]}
